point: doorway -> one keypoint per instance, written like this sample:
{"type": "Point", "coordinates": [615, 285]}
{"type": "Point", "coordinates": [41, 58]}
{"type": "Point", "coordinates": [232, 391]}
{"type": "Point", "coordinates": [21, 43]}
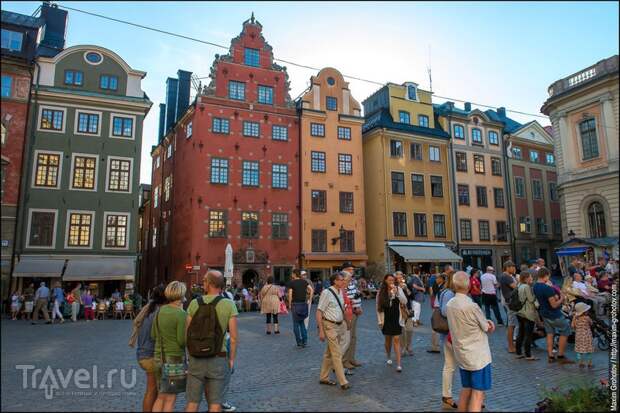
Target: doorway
{"type": "Point", "coordinates": [249, 278]}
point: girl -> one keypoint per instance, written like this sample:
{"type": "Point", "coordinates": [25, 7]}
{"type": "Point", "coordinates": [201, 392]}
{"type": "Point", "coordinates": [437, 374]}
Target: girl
{"type": "Point", "coordinates": [389, 315]}
{"type": "Point", "coordinates": [15, 304]}
{"type": "Point", "coordinates": [582, 323]}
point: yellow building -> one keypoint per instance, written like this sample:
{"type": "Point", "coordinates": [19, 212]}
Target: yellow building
{"type": "Point", "coordinates": [332, 181]}
{"type": "Point", "coordinates": [407, 181]}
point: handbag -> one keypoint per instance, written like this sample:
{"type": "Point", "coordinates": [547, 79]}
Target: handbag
{"type": "Point", "coordinates": [173, 375]}
{"type": "Point", "coordinates": [283, 310]}
{"type": "Point", "coordinates": [439, 323]}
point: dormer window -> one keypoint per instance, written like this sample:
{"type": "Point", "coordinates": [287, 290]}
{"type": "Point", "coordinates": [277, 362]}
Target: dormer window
{"type": "Point", "coordinates": [412, 92]}
{"type": "Point", "coordinates": [251, 57]}
{"type": "Point", "coordinates": [108, 82]}
{"type": "Point", "coordinates": [12, 40]}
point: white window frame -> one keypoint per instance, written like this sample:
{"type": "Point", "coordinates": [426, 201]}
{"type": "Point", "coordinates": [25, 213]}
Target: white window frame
{"type": "Point", "coordinates": [107, 175]}
{"type": "Point", "coordinates": [104, 232]}
{"type": "Point", "coordinates": [415, 86]}
{"type": "Point", "coordinates": [34, 170]}
{"type": "Point", "coordinates": [30, 211]}
{"type": "Point", "coordinates": [90, 155]}
{"type": "Point", "coordinates": [92, 229]}
{"type": "Point", "coordinates": [122, 115]}
{"type": "Point", "coordinates": [64, 119]}
{"type": "Point", "coordinates": [430, 152]}
{"type": "Point", "coordinates": [156, 197]}
{"type": "Point", "coordinates": [169, 151]}
{"type": "Point", "coordinates": [157, 162]}
{"type": "Point", "coordinates": [189, 130]}
{"type": "Point", "coordinates": [76, 121]}
{"type": "Point", "coordinates": [454, 125]}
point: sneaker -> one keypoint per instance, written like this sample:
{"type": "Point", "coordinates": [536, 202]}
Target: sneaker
{"type": "Point", "coordinates": [389, 362]}
{"type": "Point", "coordinates": [399, 369]}
{"type": "Point", "coordinates": [227, 407]}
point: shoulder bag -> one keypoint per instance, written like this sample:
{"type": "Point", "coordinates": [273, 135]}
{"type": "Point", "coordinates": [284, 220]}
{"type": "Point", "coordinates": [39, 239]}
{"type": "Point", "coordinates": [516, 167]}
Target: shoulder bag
{"type": "Point", "coordinates": [341, 309]}
{"type": "Point", "coordinates": [173, 375]}
{"type": "Point", "coordinates": [439, 323]}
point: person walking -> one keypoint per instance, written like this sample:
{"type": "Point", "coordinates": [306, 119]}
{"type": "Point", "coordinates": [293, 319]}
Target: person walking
{"type": "Point", "coordinates": [508, 283]}
{"type": "Point", "coordinates": [145, 350]}
{"type": "Point", "coordinates": [41, 298]}
{"type": "Point", "coordinates": [489, 294]}
{"type": "Point", "coordinates": [468, 332]}
{"type": "Point", "coordinates": [304, 276]}
{"type": "Point", "coordinates": [349, 361]}
{"type": "Point", "coordinates": [16, 304]}
{"type": "Point", "coordinates": [389, 315]}
{"type": "Point", "coordinates": [475, 288]}
{"type": "Point", "coordinates": [332, 327]}
{"type": "Point", "coordinates": [168, 333]}
{"type": "Point", "coordinates": [29, 301]}
{"type": "Point", "coordinates": [76, 301]}
{"type": "Point", "coordinates": [449, 363]}
{"type": "Point", "coordinates": [270, 305]}
{"type": "Point", "coordinates": [407, 331]}
{"type": "Point", "coordinates": [87, 299]}
{"type": "Point", "coordinates": [298, 292]}
{"type": "Point", "coordinates": [437, 287]}
{"type": "Point", "coordinates": [417, 288]}
{"type": "Point", "coordinates": [527, 317]}
{"type": "Point", "coordinates": [58, 295]}
{"type": "Point", "coordinates": [582, 323]}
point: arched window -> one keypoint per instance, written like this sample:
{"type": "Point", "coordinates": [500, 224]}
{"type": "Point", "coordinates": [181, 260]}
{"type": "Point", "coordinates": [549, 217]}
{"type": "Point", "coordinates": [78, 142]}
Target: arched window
{"type": "Point", "coordinates": [596, 220]}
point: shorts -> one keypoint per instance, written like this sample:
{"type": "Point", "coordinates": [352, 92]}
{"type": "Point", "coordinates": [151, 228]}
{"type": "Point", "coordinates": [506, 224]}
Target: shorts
{"type": "Point", "coordinates": [15, 307]}
{"type": "Point", "coordinates": [212, 373]}
{"type": "Point", "coordinates": [148, 365]}
{"type": "Point", "coordinates": [557, 326]}
{"type": "Point", "coordinates": [512, 317]}
{"type": "Point", "coordinates": [478, 379]}
{"type": "Point", "coordinates": [29, 306]}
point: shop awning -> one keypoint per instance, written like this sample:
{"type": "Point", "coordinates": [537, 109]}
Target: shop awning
{"type": "Point", "coordinates": [101, 269]}
{"type": "Point", "coordinates": [38, 268]}
{"type": "Point", "coordinates": [425, 253]}
{"type": "Point", "coordinates": [563, 252]}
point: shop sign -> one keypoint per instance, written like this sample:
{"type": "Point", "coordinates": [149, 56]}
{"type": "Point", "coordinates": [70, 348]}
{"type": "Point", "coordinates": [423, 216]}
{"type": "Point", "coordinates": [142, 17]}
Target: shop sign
{"type": "Point", "coordinates": [483, 252]}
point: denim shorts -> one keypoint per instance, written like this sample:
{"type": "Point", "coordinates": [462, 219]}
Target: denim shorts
{"type": "Point", "coordinates": [210, 372]}
{"type": "Point", "coordinates": [512, 317]}
{"type": "Point", "coordinates": [478, 379]}
{"type": "Point", "coordinates": [558, 325]}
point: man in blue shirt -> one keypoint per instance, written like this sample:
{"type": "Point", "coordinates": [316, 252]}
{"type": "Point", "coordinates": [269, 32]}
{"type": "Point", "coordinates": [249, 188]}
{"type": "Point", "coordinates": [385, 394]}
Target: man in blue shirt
{"type": "Point", "coordinates": [58, 295]}
{"type": "Point", "coordinates": [41, 298]}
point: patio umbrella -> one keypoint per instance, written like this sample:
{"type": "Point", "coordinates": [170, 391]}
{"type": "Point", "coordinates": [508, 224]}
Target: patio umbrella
{"type": "Point", "coordinates": [228, 267]}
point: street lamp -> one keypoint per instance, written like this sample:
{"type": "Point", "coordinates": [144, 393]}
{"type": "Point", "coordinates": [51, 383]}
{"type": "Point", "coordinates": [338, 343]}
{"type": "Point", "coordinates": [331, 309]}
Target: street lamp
{"type": "Point", "coordinates": [341, 232]}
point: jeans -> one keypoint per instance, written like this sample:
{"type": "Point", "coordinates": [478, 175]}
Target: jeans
{"type": "Point", "coordinates": [56, 310]}
{"type": "Point", "coordinates": [478, 300]}
{"type": "Point", "coordinates": [525, 337]}
{"type": "Point", "coordinates": [490, 300]}
{"type": "Point", "coordinates": [75, 309]}
{"type": "Point", "coordinates": [301, 334]}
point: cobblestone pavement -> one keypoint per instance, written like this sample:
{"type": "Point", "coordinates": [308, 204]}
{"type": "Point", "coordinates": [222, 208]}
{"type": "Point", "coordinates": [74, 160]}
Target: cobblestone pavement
{"type": "Point", "coordinates": [272, 374]}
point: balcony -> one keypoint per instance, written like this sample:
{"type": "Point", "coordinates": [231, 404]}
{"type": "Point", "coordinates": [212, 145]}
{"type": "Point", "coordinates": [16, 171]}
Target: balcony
{"type": "Point", "coordinates": [598, 70]}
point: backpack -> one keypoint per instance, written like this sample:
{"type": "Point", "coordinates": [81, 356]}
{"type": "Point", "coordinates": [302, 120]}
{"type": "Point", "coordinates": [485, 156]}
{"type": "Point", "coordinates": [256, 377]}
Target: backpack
{"type": "Point", "coordinates": [514, 303]}
{"type": "Point", "coordinates": [204, 334]}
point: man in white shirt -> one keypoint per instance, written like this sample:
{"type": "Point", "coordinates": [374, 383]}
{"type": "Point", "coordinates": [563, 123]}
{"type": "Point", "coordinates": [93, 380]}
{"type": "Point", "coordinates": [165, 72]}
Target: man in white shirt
{"type": "Point", "coordinates": [489, 285]}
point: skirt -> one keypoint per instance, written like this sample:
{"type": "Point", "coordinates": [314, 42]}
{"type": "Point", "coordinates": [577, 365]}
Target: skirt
{"type": "Point", "coordinates": [391, 320]}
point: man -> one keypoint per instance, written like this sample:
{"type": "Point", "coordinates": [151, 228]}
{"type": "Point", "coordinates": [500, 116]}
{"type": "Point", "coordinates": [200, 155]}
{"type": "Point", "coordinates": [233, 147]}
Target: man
{"type": "Point", "coordinates": [417, 288]}
{"type": "Point", "coordinates": [468, 333]}
{"type": "Point", "coordinates": [348, 360]}
{"type": "Point", "coordinates": [41, 297]}
{"type": "Point", "coordinates": [508, 283]}
{"type": "Point", "coordinates": [29, 301]}
{"type": "Point", "coordinates": [211, 375]}
{"type": "Point", "coordinates": [550, 302]}
{"type": "Point", "coordinates": [304, 276]}
{"type": "Point", "coordinates": [58, 295]}
{"type": "Point", "coordinates": [298, 292]}
{"type": "Point", "coordinates": [489, 294]}
{"type": "Point", "coordinates": [332, 326]}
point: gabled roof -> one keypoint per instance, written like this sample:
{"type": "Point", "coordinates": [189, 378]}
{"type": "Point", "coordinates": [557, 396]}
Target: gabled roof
{"type": "Point", "coordinates": [383, 119]}
{"type": "Point", "coordinates": [17, 19]}
{"type": "Point", "coordinates": [510, 125]}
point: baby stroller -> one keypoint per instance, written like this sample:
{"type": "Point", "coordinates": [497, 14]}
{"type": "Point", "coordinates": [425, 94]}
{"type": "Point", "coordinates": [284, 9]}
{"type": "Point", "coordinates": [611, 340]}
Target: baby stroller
{"type": "Point", "coordinates": [601, 334]}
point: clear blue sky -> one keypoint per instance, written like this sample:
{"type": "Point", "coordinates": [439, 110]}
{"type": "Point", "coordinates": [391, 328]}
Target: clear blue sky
{"type": "Point", "coordinates": [498, 54]}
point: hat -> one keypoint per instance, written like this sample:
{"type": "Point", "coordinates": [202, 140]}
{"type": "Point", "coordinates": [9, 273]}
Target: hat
{"type": "Point", "coordinates": [347, 265]}
{"type": "Point", "coordinates": [581, 308]}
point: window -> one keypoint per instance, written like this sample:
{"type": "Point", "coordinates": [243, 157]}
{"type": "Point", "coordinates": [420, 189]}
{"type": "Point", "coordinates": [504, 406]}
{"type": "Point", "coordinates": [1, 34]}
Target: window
{"type": "Point", "coordinates": [6, 86]}
{"type": "Point", "coordinates": [251, 57]}
{"type": "Point", "coordinates": [519, 187]}
{"type": "Point", "coordinates": [347, 241]}
{"type": "Point", "coordinates": [517, 153]}
{"type": "Point", "coordinates": [166, 231]}
{"type": "Point", "coordinates": [250, 173]}
{"type": "Point", "coordinates": [481, 196]}
{"type": "Point", "coordinates": [122, 127]}
{"type": "Point", "coordinates": [317, 129]}
{"type": "Point", "coordinates": [416, 151]}
{"type": "Point", "coordinates": [108, 82]}
{"type": "Point", "coordinates": [189, 129]}
{"type": "Point", "coordinates": [221, 125]}
{"type": "Point", "coordinates": [344, 133]}
{"type": "Point", "coordinates": [479, 164]}
{"type": "Point", "coordinates": [84, 171]}
{"type": "Point", "coordinates": [42, 228]}
{"type": "Point", "coordinates": [79, 229]}
{"type": "Point", "coordinates": [236, 90]}
{"type": "Point", "coordinates": [47, 170]}
{"type": "Point", "coordinates": [553, 191]}
{"type": "Point", "coordinates": [423, 121]}
{"type": "Point", "coordinates": [217, 224]}
{"type": "Point", "coordinates": [550, 158]}
{"type": "Point", "coordinates": [279, 133]}
{"type": "Point", "coordinates": [493, 138]}
{"type": "Point", "coordinates": [346, 202]}
{"type": "Point", "coordinates": [154, 244]}
{"type": "Point", "coordinates": [319, 240]}
{"type": "Point", "coordinates": [439, 225]}
{"type": "Point", "coordinates": [74, 77]}
{"type": "Point", "coordinates": [525, 225]}
{"type": "Point", "coordinates": [398, 183]}
{"type": "Point", "coordinates": [404, 117]}
{"type": "Point", "coordinates": [156, 197]}
{"type": "Point", "coordinates": [412, 92]}
{"type": "Point", "coordinates": [557, 226]}
{"type": "Point", "coordinates": [251, 129]}
{"type": "Point", "coordinates": [319, 200]}
{"type": "Point", "coordinates": [436, 186]}
{"type": "Point", "coordinates": [465, 230]}
{"type": "Point", "coordinates": [157, 162]}
{"type": "Point", "coordinates": [120, 173]}
{"type": "Point", "coordinates": [589, 141]}
{"type": "Point", "coordinates": [498, 196]}
{"type": "Point", "coordinates": [12, 40]}
{"type": "Point", "coordinates": [116, 231]}
{"type": "Point", "coordinates": [417, 184]}
{"type": "Point", "coordinates": [541, 227]}
{"type": "Point", "coordinates": [331, 103]}
{"type": "Point", "coordinates": [265, 95]}
{"type": "Point", "coordinates": [167, 187]}
{"type": "Point", "coordinates": [279, 176]}
{"type": "Point", "coordinates": [88, 123]}
{"type": "Point", "coordinates": [52, 119]}
{"type": "Point", "coordinates": [396, 148]}
{"type": "Point", "coordinates": [534, 156]}
{"type": "Point", "coordinates": [318, 161]}
{"type": "Point", "coordinates": [219, 171]}
{"type": "Point", "coordinates": [496, 167]}
{"type": "Point", "coordinates": [502, 234]}
{"type": "Point", "coordinates": [249, 225]}
{"type": "Point", "coordinates": [93, 57]}
{"type": "Point", "coordinates": [476, 136]}
{"type": "Point", "coordinates": [525, 254]}
{"type": "Point", "coordinates": [433, 153]}
{"type": "Point", "coordinates": [399, 220]}
{"type": "Point", "coordinates": [461, 161]}
{"type": "Point", "coordinates": [463, 191]}
{"type": "Point", "coordinates": [459, 132]}
{"type": "Point", "coordinates": [536, 189]}
{"type": "Point", "coordinates": [279, 226]}
{"type": "Point", "coordinates": [345, 164]}
{"type": "Point", "coordinates": [596, 220]}
{"type": "Point", "coordinates": [484, 231]}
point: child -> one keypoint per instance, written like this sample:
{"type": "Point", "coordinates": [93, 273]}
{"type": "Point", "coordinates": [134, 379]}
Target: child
{"type": "Point", "coordinates": [582, 323]}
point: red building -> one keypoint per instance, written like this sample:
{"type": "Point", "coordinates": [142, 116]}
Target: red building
{"type": "Point", "coordinates": [226, 170]}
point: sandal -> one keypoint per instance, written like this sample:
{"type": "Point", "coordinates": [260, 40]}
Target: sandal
{"type": "Point", "coordinates": [327, 382]}
{"type": "Point", "coordinates": [446, 403]}
{"type": "Point", "coordinates": [520, 356]}
{"type": "Point", "coordinates": [532, 358]}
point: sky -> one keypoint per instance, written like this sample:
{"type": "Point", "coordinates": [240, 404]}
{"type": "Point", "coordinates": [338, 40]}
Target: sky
{"type": "Point", "coordinates": [491, 53]}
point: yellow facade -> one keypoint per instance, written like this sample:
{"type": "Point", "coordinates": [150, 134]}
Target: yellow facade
{"type": "Point", "coordinates": [399, 102]}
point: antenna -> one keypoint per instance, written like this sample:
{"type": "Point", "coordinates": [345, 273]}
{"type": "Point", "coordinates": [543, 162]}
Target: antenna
{"type": "Point", "coordinates": [428, 69]}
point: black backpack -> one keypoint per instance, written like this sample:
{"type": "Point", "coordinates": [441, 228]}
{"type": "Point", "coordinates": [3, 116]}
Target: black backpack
{"type": "Point", "coordinates": [514, 303]}
{"type": "Point", "coordinates": [204, 334]}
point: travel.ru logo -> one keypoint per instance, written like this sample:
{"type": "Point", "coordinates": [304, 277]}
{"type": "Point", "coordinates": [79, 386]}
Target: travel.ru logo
{"type": "Point", "coordinates": [54, 381]}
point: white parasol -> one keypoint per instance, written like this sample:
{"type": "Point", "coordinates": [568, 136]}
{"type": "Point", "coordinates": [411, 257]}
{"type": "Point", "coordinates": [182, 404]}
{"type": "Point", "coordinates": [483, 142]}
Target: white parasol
{"type": "Point", "coordinates": [228, 267]}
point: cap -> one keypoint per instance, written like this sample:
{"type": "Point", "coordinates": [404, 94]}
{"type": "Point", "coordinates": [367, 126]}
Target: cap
{"type": "Point", "coordinates": [509, 264]}
{"type": "Point", "coordinates": [347, 265]}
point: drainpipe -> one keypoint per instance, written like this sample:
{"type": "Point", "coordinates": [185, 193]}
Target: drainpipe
{"type": "Point", "coordinates": [513, 247]}
{"type": "Point", "coordinates": [300, 190]}
{"type": "Point", "coordinates": [455, 216]}
{"type": "Point", "coordinates": [387, 212]}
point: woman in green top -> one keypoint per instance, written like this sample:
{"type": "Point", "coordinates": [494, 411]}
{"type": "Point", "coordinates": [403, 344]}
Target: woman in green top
{"type": "Point", "coordinates": [527, 316]}
{"type": "Point", "coordinates": [168, 332]}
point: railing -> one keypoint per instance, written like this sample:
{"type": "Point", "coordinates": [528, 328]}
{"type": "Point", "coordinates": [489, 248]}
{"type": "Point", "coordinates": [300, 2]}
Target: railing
{"type": "Point", "coordinates": [599, 69]}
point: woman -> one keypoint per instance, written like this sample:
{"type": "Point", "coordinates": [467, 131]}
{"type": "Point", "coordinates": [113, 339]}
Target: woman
{"type": "Point", "coordinates": [87, 299]}
{"type": "Point", "coordinates": [389, 315]}
{"type": "Point", "coordinates": [270, 304]}
{"type": "Point", "coordinates": [527, 316]}
{"type": "Point", "coordinates": [15, 304]}
{"type": "Point", "coordinates": [141, 334]}
{"type": "Point", "coordinates": [449, 362]}
{"type": "Point", "coordinates": [76, 301]}
{"type": "Point", "coordinates": [475, 288]}
{"type": "Point", "coordinates": [168, 333]}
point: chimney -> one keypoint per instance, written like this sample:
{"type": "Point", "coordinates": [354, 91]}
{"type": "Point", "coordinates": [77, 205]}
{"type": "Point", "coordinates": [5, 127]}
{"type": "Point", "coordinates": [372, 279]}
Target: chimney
{"type": "Point", "coordinates": [54, 29]}
{"type": "Point", "coordinates": [501, 112]}
{"type": "Point", "coordinates": [162, 121]}
{"type": "Point", "coordinates": [467, 106]}
{"type": "Point", "coordinates": [172, 85]}
{"type": "Point", "coordinates": [182, 93]}
{"type": "Point", "coordinates": [450, 105]}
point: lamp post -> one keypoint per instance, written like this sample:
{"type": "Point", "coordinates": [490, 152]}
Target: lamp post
{"type": "Point", "coordinates": [341, 232]}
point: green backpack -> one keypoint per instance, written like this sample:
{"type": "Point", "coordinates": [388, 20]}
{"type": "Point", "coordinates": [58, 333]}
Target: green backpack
{"type": "Point", "coordinates": [204, 334]}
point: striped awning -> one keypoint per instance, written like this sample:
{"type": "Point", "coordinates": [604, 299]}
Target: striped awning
{"type": "Point", "coordinates": [38, 268]}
